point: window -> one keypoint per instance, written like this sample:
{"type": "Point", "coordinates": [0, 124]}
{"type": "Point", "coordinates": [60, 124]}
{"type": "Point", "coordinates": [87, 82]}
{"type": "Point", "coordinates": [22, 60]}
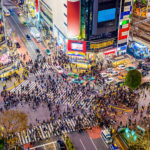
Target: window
{"type": "Point", "coordinates": [65, 5]}
{"type": "Point", "coordinates": [65, 15]}
{"type": "Point", "coordinates": [65, 24]}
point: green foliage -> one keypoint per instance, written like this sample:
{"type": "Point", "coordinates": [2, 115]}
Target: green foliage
{"type": "Point", "coordinates": [69, 144]}
{"type": "Point", "coordinates": [1, 144]}
{"type": "Point", "coordinates": [133, 79]}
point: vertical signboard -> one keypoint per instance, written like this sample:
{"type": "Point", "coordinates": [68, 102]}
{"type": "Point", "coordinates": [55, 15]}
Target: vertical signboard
{"type": "Point", "coordinates": [125, 16]}
{"type": "Point", "coordinates": [2, 27]}
{"type": "Point", "coordinates": [73, 18]}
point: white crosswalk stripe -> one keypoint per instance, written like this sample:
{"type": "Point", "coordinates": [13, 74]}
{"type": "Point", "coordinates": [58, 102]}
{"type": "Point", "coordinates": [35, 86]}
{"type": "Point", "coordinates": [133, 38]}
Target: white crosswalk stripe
{"type": "Point", "coordinates": [47, 130]}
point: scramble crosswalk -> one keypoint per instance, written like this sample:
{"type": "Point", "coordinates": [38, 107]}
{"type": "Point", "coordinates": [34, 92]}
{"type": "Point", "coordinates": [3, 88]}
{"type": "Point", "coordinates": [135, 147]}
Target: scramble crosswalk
{"type": "Point", "coordinates": [48, 130]}
{"type": "Point", "coordinates": [31, 84]}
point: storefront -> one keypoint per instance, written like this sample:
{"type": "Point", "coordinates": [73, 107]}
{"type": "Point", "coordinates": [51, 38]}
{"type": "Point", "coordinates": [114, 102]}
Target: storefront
{"type": "Point", "coordinates": [31, 9]}
{"type": "Point", "coordinates": [46, 17]}
{"type": "Point", "coordinates": [2, 29]}
{"type": "Point", "coordinates": [61, 39]}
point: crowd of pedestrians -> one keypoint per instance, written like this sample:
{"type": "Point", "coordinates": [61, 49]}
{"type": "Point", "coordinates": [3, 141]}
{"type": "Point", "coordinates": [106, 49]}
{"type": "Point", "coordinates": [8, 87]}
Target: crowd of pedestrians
{"type": "Point", "coordinates": [67, 100]}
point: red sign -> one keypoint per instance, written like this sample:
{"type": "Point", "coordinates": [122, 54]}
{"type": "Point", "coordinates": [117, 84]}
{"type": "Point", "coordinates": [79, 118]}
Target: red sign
{"type": "Point", "coordinates": [121, 37]}
{"type": "Point", "coordinates": [73, 18]}
{"type": "Point", "coordinates": [79, 46]}
{"type": "Point", "coordinates": [37, 5]}
{"type": "Point", "coordinates": [112, 51]}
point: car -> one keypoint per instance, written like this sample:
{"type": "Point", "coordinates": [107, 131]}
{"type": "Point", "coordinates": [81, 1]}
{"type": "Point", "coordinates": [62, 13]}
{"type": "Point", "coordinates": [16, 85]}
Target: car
{"type": "Point", "coordinates": [64, 76]}
{"type": "Point", "coordinates": [109, 70]}
{"type": "Point", "coordinates": [146, 68]}
{"type": "Point", "coordinates": [106, 136]}
{"type": "Point", "coordinates": [144, 73]}
{"type": "Point", "coordinates": [37, 50]}
{"type": "Point", "coordinates": [104, 75]}
{"type": "Point", "coordinates": [88, 78]}
{"type": "Point", "coordinates": [121, 67]}
{"type": "Point", "coordinates": [59, 69]}
{"type": "Point", "coordinates": [48, 52]}
{"type": "Point", "coordinates": [77, 81]}
{"type": "Point", "coordinates": [114, 73]}
{"type": "Point", "coordinates": [28, 37]}
{"type": "Point", "coordinates": [130, 68]}
{"type": "Point", "coordinates": [122, 76]}
{"type": "Point", "coordinates": [61, 145]}
{"type": "Point", "coordinates": [114, 147]}
{"type": "Point", "coordinates": [73, 75]}
{"type": "Point", "coordinates": [18, 45]}
{"type": "Point", "coordinates": [109, 80]}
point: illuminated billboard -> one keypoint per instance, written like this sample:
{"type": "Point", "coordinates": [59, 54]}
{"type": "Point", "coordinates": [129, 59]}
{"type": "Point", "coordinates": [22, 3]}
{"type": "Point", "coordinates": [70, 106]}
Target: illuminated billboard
{"type": "Point", "coordinates": [106, 15]}
{"type": "Point", "coordinates": [73, 18]}
{"type": "Point", "coordinates": [79, 46]}
{"type": "Point", "coordinates": [2, 30]}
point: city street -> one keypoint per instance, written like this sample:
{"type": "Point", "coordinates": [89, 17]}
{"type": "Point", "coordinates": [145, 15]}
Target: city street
{"type": "Point", "coordinates": [21, 31]}
{"type": "Point", "coordinates": [70, 78]}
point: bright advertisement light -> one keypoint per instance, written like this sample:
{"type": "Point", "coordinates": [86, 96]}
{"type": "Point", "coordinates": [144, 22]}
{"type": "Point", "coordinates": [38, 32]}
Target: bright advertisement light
{"type": "Point", "coordinates": [73, 18]}
{"type": "Point", "coordinates": [106, 15]}
{"type": "Point", "coordinates": [77, 46]}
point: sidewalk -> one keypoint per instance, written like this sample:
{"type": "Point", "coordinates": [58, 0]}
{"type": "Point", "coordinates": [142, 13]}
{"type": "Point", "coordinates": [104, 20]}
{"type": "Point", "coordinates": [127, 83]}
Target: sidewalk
{"type": "Point", "coordinates": [13, 82]}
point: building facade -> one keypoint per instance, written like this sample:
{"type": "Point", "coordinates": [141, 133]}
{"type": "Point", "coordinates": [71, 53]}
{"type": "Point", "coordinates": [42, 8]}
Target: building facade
{"type": "Point", "coordinates": [2, 25]}
{"type": "Point", "coordinates": [87, 27]}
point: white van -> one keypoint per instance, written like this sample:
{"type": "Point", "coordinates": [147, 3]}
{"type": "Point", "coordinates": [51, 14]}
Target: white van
{"type": "Point", "coordinates": [106, 136]}
{"type": "Point", "coordinates": [35, 33]}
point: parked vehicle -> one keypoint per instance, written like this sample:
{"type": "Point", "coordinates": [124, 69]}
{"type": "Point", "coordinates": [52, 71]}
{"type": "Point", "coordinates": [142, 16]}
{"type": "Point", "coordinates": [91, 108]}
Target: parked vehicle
{"type": "Point", "coordinates": [6, 11]}
{"type": "Point", "coordinates": [106, 136]}
{"type": "Point", "coordinates": [59, 69]}
{"type": "Point", "coordinates": [61, 145]}
{"type": "Point", "coordinates": [121, 67]}
{"type": "Point", "coordinates": [130, 68]}
{"type": "Point", "coordinates": [35, 33]}
{"type": "Point", "coordinates": [104, 75]}
{"type": "Point", "coordinates": [77, 81]}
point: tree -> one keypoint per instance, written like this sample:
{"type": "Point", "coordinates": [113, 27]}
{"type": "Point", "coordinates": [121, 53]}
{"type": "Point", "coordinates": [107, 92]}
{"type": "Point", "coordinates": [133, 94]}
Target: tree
{"type": "Point", "coordinates": [133, 79]}
{"type": "Point", "coordinates": [12, 122]}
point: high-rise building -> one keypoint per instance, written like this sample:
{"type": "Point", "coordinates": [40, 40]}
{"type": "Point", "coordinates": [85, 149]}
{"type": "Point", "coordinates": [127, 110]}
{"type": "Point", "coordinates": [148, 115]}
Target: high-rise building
{"type": "Point", "coordinates": [2, 31]}
{"type": "Point", "coordinates": [86, 27]}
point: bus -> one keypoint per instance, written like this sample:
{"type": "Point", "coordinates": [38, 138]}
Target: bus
{"type": "Point", "coordinates": [6, 11]}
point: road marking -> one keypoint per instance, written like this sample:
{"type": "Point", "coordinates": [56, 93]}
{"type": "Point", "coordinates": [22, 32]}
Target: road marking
{"type": "Point", "coordinates": [104, 143]}
{"type": "Point", "coordinates": [54, 146]}
{"type": "Point", "coordinates": [42, 145]}
{"type": "Point", "coordinates": [24, 37]}
{"type": "Point", "coordinates": [93, 143]}
{"type": "Point", "coordinates": [82, 144]}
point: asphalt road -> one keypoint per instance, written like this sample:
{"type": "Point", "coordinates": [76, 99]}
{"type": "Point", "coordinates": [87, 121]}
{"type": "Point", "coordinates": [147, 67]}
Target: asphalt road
{"type": "Point", "coordinates": [21, 30]}
{"type": "Point", "coordinates": [85, 142]}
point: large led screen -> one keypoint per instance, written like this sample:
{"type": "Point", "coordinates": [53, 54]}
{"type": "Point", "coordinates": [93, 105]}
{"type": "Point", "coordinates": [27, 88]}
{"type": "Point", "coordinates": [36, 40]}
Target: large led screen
{"type": "Point", "coordinates": [106, 15]}
{"type": "Point", "coordinates": [77, 46]}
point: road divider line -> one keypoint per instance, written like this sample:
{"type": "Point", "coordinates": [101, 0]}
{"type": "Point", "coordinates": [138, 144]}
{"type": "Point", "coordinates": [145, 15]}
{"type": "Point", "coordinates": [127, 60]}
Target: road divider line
{"type": "Point", "coordinates": [93, 144]}
{"type": "Point", "coordinates": [82, 144]}
{"type": "Point", "coordinates": [104, 143]}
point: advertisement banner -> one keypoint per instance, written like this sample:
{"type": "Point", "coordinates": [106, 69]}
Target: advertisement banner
{"type": "Point", "coordinates": [78, 46]}
{"type": "Point", "coordinates": [101, 44]}
{"type": "Point", "coordinates": [73, 18]}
